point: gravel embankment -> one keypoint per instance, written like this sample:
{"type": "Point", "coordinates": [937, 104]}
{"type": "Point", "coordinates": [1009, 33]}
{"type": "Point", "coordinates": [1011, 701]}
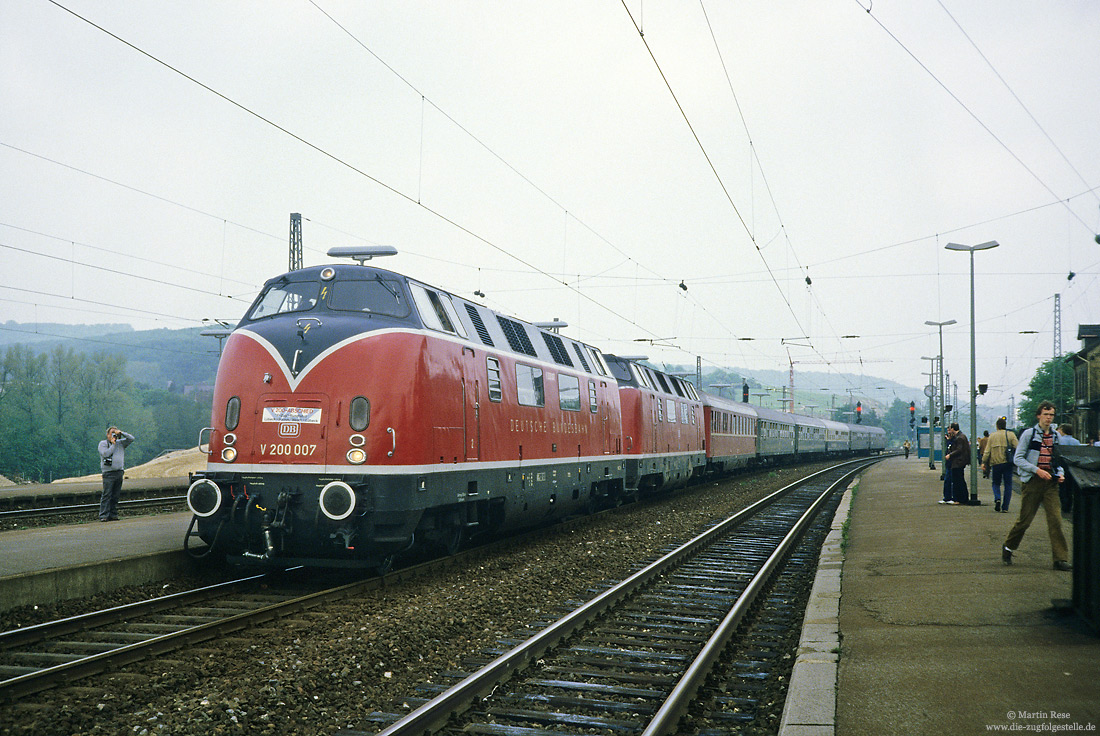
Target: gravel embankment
{"type": "Point", "coordinates": [325, 670]}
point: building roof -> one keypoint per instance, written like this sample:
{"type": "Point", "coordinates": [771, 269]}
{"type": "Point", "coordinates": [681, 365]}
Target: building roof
{"type": "Point", "coordinates": [1088, 332]}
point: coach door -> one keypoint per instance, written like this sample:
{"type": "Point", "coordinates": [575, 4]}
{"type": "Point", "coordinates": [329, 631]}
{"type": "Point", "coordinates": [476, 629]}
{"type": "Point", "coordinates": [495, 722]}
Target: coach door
{"type": "Point", "coordinates": [471, 407]}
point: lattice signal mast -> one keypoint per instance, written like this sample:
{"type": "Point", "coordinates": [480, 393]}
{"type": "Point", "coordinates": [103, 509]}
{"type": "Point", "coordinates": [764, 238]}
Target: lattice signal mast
{"type": "Point", "coordinates": [295, 241]}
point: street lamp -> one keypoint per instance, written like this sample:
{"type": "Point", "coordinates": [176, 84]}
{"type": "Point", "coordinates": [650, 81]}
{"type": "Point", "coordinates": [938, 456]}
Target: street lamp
{"type": "Point", "coordinates": [973, 370]}
{"type": "Point", "coordinates": [930, 392]}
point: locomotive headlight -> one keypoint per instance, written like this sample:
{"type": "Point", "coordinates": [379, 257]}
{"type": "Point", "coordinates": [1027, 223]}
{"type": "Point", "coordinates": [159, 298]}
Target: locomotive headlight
{"type": "Point", "coordinates": [357, 456]}
{"type": "Point", "coordinates": [229, 438]}
{"type": "Point", "coordinates": [229, 454]}
{"type": "Point", "coordinates": [337, 500]}
{"type": "Point", "coordinates": [204, 498]}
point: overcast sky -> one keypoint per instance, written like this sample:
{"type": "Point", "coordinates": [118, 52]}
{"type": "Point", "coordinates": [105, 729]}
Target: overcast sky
{"type": "Point", "coordinates": [535, 152]}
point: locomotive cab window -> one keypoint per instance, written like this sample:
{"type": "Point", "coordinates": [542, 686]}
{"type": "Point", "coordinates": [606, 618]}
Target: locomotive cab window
{"type": "Point", "coordinates": [286, 296]}
{"type": "Point", "coordinates": [371, 296]}
{"type": "Point", "coordinates": [436, 311]}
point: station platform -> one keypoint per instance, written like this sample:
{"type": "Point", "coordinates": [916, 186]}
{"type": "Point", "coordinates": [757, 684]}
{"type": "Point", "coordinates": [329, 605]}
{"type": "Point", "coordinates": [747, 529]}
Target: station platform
{"type": "Point", "coordinates": [48, 564]}
{"type": "Point", "coordinates": [918, 627]}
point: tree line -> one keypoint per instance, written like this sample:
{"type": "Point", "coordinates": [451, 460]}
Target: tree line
{"type": "Point", "coordinates": [55, 407]}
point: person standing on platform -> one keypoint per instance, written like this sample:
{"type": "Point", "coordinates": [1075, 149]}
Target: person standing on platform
{"type": "Point", "coordinates": [998, 459]}
{"type": "Point", "coordinates": [905, 446]}
{"type": "Point", "coordinates": [948, 442]}
{"type": "Point", "coordinates": [112, 463]}
{"type": "Point", "coordinates": [957, 459]}
{"type": "Point", "coordinates": [982, 442]}
{"type": "Point", "coordinates": [1040, 477]}
{"type": "Point", "coordinates": [1067, 439]}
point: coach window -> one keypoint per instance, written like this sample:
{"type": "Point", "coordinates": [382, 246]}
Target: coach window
{"type": "Point", "coordinates": [529, 386]}
{"type": "Point", "coordinates": [569, 392]}
{"type": "Point", "coordinates": [593, 399]}
{"type": "Point", "coordinates": [492, 367]}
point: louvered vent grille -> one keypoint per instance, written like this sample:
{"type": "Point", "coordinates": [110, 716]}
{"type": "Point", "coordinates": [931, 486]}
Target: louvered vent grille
{"type": "Point", "coordinates": [479, 325]}
{"type": "Point", "coordinates": [517, 336]}
{"type": "Point", "coordinates": [577, 350]}
{"type": "Point", "coordinates": [557, 349]}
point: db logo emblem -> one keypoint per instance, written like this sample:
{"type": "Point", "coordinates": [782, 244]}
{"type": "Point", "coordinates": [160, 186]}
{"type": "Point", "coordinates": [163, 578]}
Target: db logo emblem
{"type": "Point", "coordinates": [288, 429]}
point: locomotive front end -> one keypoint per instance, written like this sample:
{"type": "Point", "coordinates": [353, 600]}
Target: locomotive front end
{"type": "Point", "coordinates": [309, 391]}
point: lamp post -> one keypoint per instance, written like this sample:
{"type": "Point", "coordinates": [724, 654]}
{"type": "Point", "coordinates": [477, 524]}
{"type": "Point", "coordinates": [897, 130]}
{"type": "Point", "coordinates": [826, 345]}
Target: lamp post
{"type": "Point", "coordinates": [973, 370]}
{"type": "Point", "coordinates": [930, 392]}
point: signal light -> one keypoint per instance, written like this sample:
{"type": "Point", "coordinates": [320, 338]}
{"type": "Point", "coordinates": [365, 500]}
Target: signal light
{"type": "Point", "coordinates": [912, 413]}
{"type": "Point", "coordinates": [745, 392]}
{"type": "Point", "coordinates": [859, 412]}
{"type": "Point", "coordinates": [982, 388]}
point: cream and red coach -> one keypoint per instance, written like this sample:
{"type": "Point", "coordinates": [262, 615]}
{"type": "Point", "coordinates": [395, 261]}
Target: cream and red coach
{"type": "Point", "coordinates": [358, 413]}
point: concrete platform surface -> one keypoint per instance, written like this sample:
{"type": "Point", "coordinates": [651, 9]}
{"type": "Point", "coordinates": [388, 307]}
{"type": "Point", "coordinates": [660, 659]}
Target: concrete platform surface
{"type": "Point", "coordinates": [938, 636]}
{"type": "Point", "coordinates": [50, 564]}
{"type": "Point", "coordinates": [34, 550]}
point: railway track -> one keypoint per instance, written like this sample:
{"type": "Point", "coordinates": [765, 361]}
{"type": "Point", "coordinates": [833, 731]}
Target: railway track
{"type": "Point", "coordinates": [633, 659]}
{"type": "Point", "coordinates": [36, 658]}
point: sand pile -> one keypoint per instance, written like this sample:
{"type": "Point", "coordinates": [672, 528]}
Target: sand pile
{"type": "Point", "coordinates": [175, 464]}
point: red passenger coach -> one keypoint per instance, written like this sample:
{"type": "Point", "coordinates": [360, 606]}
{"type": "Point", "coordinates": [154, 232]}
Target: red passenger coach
{"type": "Point", "coordinates": [663, 434]}
{"type": "Point", "coordinates": [359, 413]}
{"type": "Point", "coordinates": [731, 433]}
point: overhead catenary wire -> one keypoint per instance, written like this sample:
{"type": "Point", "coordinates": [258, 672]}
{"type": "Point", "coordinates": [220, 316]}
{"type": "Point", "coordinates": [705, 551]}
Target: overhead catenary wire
{"type": "Point", "coordinates": [707, 298]}
{"type": "Point", "coordinates": [972, 114]}
{"type": "Point", "coordinates": [346, 164]}
{"type": "Point", "coordinates": [1016, 97]}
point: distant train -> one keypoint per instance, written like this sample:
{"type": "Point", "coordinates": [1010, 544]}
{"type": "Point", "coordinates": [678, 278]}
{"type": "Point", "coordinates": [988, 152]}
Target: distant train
{"type": "Point", "coordinates": [359, 413]}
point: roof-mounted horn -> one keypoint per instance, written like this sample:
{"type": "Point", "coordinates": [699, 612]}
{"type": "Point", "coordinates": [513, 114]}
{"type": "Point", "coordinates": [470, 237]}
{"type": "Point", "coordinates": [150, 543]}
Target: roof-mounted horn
{"type": "Point", "coordinates": [553, 326]}
{"type": "Point", "coordinates": [361, 253]}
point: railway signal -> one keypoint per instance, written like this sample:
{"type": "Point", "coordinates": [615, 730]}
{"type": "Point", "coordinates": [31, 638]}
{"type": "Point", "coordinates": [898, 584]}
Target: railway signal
{"type": "Point", "coordinates": [859, 412]}
{"type": "Point", "coordinates": [912, 413]}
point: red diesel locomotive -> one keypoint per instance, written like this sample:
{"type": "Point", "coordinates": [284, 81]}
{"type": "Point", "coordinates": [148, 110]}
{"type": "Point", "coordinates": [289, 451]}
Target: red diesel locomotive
{"type": "Point", "coordinates": [359, 413]}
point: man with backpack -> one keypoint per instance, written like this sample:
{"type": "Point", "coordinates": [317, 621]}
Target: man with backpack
{"type": "Point", "coordinates": [1040, 476]}
{"type": "Point", "coordinates": [997, 457]}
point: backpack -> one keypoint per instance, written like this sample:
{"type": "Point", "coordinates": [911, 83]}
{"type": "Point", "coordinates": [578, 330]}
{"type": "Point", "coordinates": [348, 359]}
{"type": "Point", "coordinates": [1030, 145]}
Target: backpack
{"type": "Point", "coordinates": [1010, 451]}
